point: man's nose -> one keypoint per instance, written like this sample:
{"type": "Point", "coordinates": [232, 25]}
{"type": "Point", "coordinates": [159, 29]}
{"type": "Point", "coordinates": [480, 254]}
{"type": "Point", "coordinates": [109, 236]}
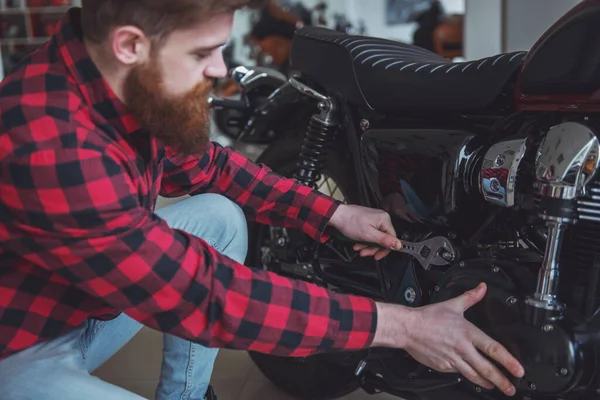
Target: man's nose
{"type": "Point", "coordinates": [217, 68]}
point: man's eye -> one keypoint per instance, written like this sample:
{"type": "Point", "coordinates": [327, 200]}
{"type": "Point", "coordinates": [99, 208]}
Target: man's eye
{"type": "Point", "coordinates": [200, 56]}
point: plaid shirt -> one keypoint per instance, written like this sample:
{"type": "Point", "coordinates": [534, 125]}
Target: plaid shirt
{"type": "Point", "coordinates": [79, 239]}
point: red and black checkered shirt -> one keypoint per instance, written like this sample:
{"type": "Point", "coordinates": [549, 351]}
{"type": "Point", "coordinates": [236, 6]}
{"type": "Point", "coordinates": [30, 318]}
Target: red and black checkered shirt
{"type": "Point", "coordinates": [78, 237]}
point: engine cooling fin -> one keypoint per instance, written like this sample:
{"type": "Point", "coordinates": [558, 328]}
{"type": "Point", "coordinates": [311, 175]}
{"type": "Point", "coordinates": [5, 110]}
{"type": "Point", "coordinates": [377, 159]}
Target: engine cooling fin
{"type": "Point", "coordinates": [580, 256]}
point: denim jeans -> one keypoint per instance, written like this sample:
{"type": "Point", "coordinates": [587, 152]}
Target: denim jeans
{"type": "Point", "coordinates": [60, 369]}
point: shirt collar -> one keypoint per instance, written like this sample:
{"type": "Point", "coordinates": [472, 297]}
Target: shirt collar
{"type": "Point", "coordinates": [94, 89]}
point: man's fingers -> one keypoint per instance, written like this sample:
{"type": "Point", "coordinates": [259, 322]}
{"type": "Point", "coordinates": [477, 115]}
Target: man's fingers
{"type": "Point", "coordinates": [489, 372]}
{"type": "Point", "coordinates": [498, 353]}
{"type": "Point", "coordinates": [359, 247]}
{"type": "Point", "coordinates": [468, 372]}
{"type": "Point", "coordinates": [386, 235]}
{"type": "Point", "coordinates": [369, 252]}
{"type": "Point", "coordinates": [389, 241]}
{"type": "Point", "coordinates": [381, 254]}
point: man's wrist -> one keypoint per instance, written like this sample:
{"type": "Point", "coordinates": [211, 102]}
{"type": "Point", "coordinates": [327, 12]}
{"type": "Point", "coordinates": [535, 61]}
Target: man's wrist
{"type": "Point", "coordinates": [393, 326]}
{"type": "Point", "coordinates": [336, 219]}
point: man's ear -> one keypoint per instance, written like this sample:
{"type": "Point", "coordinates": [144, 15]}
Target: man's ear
{"type": "Point", "coordinates": [130, 45]}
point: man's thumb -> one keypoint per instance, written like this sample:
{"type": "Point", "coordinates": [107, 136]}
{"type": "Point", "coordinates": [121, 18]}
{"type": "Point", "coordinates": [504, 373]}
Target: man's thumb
{"type": "Point", "coordinates": [389, 241]}
{"type": "Point", "coordinates": [470, 298]}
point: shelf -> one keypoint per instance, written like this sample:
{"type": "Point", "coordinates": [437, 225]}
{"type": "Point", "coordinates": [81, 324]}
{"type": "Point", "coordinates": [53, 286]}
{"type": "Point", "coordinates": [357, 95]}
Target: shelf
{"type": "Point", "coordinates": [35, 10]}
{"type": "Point", "coordinates": [23, 28]}
{"type": "Point", "coordinates": [24, 41]}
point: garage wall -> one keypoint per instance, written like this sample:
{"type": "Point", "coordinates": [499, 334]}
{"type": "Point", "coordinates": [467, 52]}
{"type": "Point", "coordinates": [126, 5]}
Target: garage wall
{"type": "Point", "coordinates": [528, 20]}
{"type": "Point", "coordinates": [496, 26]}
{"type": "Point", "coordinates": [483, 28]}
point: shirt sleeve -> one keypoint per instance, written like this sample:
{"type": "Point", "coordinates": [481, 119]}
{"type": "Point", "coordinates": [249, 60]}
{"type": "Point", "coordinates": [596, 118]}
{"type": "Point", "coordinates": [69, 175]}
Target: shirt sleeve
{"type": "Point", "coordinates": [76, 213]}
{"type": "Point", "coordinates": [265, 196]}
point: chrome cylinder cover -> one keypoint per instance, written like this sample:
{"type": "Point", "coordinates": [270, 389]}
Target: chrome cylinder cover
{"type": "Point", "coordinates": [567, 160]}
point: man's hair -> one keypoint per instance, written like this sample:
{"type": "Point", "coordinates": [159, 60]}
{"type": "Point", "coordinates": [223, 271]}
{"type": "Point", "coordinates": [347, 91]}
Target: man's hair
{"type": "Point", "coordinates": [156, 18]}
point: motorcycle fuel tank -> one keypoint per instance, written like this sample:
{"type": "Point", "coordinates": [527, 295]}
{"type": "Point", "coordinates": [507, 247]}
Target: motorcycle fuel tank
{"type": "Point", "coordinates": [428, 172]}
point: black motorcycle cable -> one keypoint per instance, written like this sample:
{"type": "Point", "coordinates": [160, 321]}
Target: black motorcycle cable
{"type": "Point", "coordinates": [474, 239]}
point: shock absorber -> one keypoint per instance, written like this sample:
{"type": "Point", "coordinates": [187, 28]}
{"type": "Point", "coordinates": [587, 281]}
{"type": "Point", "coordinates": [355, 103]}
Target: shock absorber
{"type": "Point", "coordinates": [319, 137]}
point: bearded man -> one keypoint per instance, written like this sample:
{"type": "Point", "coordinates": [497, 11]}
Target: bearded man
{"type": "Point", "coordinates": [94, 125]}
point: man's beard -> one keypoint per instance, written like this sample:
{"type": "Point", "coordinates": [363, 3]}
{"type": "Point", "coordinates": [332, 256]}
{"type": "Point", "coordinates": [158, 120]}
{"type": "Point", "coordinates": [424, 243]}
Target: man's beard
{"type": "Point", "coordinates": [179, 122]}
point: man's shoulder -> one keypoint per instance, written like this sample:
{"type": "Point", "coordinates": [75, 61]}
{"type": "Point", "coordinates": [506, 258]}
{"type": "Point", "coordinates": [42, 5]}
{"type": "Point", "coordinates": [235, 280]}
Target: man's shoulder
{"type": "Point", "coordinates": [39, 80]}
{"type": "Point", "coordinates": [40, 105]}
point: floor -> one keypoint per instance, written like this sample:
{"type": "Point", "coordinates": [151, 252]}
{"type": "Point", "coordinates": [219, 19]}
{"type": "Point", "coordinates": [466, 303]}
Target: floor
{"type": "Point", "coordinates": [235, 377]}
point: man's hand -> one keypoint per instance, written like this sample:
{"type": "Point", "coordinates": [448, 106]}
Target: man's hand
{"type": "Point", "coordinates": [439, 337]}
{"type": "Point", "coordinates": [367, 225]}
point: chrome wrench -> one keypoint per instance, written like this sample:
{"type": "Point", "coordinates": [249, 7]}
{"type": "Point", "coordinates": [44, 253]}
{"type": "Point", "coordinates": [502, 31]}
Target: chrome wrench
{"type": "Point", "coordinates": [436, 251]}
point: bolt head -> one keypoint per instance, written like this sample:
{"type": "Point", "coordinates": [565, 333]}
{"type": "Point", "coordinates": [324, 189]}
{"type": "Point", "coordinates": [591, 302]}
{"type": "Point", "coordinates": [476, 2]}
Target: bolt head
{"type": "Point", "coordinates": [437, 288]}
{"type": "Point", "coordinates": [478, 389]}
{"type": "Point", "coordinates": [496, 269]}
{"type": "Point", "coordinates": [532, 386]}
{"type": "Point", "coordinates": [462, 264]}
{"type": "Point", "coordinates": [410, 295]}
{"type": "Point", "coordinates": [500, 159]}
{"type": "Point", "coordinates": [548, 328]}
{"type": "Point", "coordinates": [513, 300]}
{"type": "Point", "coordinates": [564, 371]}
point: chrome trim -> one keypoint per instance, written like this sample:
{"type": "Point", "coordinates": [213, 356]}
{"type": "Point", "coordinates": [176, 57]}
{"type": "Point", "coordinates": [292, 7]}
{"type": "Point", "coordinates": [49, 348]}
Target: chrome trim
{"type": "Point", "coordinates": [561, 157]}
{"type": "Point", "coordinates": [327, 105]}
{"type": "Point", "coordinates": [566, 162]}
{"type": "Point", "coordinates": [306, 90]}
{"type": "Point", "coordinates": [547, 284]}
{"type": "Point", "coordinates": [251, 78]}
{"type": "Point", "coordinates": [499, 171]}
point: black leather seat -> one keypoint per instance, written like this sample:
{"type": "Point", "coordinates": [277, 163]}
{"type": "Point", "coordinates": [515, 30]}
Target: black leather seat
{"type": "Point", "coordinates": [387, 75]}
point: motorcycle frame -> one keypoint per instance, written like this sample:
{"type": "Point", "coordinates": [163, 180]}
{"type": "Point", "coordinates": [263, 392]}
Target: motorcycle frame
{"type": "Point", "coordinates": [287, 101]}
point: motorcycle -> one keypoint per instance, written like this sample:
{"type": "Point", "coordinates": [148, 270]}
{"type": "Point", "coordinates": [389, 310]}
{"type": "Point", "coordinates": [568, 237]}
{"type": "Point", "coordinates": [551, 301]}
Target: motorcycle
{"type": "Point", "coordinates": [489, 170]}
{"type": "Point", "coordinates": [270, 42]}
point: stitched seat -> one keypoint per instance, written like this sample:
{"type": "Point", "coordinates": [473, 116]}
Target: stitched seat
{"type": "Point", "coordinates": [386, 75]}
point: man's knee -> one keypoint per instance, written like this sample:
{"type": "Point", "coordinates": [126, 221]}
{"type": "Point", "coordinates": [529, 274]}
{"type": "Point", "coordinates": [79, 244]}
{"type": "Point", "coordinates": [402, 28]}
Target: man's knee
{"type": "Point", "coordinates": [214, 218]}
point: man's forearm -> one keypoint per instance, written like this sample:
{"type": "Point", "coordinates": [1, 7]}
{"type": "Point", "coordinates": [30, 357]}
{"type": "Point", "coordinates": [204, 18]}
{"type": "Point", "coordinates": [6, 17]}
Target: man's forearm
{"type": "Point", "coordinates": [265, 196]}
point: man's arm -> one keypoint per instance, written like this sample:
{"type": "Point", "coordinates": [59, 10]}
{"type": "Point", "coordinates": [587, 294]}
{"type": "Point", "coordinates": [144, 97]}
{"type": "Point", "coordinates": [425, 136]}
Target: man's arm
{"type": "Point", "coordinates": [75, 212]}
{"type": "Point", "coordinates": [264, 195]}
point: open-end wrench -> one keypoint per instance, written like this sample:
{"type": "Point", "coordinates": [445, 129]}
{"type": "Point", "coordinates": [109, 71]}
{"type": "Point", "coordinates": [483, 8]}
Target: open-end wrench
{"type": "Point", "coordinates": [436, 251]}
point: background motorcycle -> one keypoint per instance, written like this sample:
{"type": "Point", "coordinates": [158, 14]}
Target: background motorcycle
{"type": "Point", "coordinates": [269, 43]}
{"type": "Point", "coordinates": [489, 168]}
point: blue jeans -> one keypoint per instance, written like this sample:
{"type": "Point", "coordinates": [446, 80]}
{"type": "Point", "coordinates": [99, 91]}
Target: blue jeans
{"type": "Point", "coordinates": [60, 368]}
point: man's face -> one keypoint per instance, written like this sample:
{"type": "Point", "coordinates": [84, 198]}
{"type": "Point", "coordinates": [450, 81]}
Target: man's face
{"type": "Point", "coordinates": [189, 57]}
{"type": "Point", "coordinates": [168, 92]}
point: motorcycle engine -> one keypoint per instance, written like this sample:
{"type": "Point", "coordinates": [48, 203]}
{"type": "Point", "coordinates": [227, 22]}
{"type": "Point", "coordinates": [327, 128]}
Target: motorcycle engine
{"type": "Point", "coordinates": [548, 320]}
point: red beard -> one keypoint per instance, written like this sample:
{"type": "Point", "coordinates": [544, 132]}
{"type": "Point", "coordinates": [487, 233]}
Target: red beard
{"type": "Point", "coordinates": [180, 122]}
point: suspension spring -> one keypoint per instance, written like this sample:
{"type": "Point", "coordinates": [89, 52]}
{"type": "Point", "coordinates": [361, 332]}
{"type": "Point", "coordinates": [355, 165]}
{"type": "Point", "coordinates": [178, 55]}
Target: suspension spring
{"type": "Point", "coordinates": [319, 137]}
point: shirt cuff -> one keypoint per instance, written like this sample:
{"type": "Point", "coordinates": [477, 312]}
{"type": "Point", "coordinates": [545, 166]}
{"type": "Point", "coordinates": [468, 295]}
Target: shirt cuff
{"type": "Point", "coordinates": [315, 214]}
{"type": "Point", "coordinates": [357, 323]}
